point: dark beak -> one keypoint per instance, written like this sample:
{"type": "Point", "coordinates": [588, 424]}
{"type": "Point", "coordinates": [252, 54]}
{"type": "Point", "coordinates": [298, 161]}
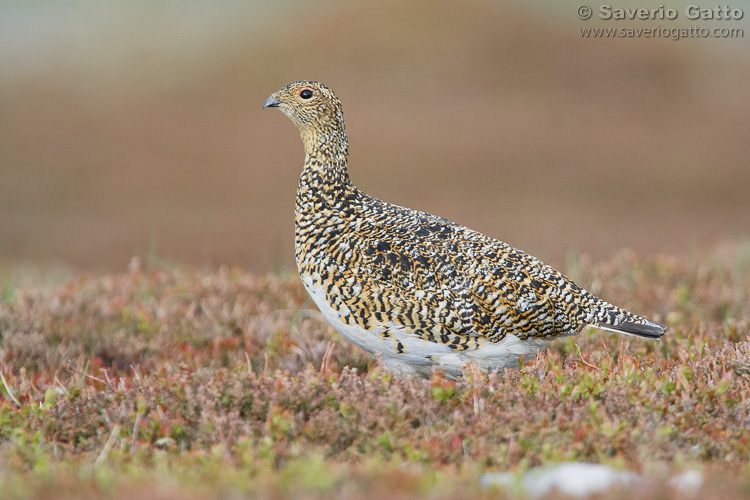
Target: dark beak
{"type": "Point", "coordinates": [271, 103]}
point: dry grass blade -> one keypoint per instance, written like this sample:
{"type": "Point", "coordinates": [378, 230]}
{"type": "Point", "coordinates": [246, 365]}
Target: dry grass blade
{"type": "Point", "coordinates": [113, 436]}
{"type": "Point", "coordinates": [8, 389]}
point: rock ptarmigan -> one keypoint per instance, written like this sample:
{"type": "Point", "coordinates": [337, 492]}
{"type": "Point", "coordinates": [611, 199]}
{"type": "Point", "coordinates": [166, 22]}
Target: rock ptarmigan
{"type": "Point", "coordinates": [415, 288]}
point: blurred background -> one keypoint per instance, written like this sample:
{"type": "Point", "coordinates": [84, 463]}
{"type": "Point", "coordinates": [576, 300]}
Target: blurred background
{"type": "Point", "coordinates": [135, 127]}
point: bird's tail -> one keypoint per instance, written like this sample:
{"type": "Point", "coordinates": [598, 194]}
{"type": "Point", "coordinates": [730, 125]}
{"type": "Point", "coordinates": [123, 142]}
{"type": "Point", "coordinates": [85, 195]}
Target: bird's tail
{"type": "Point", "coordinates": [618, 320]}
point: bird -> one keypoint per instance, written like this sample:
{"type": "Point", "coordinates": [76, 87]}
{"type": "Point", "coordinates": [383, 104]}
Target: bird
{"type": "Point", "coordinates": [419, 291]}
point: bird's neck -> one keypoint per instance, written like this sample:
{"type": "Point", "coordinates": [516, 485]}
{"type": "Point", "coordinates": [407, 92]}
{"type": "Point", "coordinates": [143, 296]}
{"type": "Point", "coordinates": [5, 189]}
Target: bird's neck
{"type": "Point", "coordinates": [325, 177]}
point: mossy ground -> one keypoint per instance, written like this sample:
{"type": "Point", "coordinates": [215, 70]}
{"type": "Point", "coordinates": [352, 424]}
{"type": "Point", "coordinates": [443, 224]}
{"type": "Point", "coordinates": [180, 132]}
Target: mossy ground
{"type": "Point", "coordinates": [186, 384]}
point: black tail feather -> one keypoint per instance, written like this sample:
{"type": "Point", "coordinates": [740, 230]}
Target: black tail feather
{"type": "Point", "coordinates": [652, 330]}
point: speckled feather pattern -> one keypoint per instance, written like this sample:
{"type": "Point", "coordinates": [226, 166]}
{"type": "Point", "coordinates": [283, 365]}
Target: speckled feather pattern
{"type": "Point", "coordinates": [416, 288]}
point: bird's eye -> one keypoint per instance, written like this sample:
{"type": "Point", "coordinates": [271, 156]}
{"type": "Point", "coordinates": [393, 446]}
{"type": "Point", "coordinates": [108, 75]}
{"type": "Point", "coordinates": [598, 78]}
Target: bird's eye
{"type": "Point", "coordinates": [306, 94]}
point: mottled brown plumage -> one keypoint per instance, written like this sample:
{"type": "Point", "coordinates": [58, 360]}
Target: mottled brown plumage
{"type": "Point", "coordinates": [415, 288]}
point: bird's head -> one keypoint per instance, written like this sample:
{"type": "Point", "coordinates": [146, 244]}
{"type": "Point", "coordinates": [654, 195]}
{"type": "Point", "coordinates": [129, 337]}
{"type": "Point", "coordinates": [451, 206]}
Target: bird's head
{"type": "Point", "coordinates": [315, 110]}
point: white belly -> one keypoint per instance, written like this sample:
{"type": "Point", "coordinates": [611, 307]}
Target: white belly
{"type": "Point", "coordinates": [419, 355]}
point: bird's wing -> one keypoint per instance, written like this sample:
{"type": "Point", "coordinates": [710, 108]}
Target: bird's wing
{"type": "Point", "coordinates": [445, 289]}
{"type": "Point", "coordinates": [510, 301]}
